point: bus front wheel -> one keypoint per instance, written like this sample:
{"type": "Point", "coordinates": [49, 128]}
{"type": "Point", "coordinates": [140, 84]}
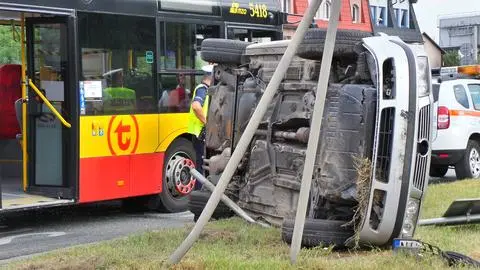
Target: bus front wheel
{"type": "Point", "coordinates": [177, 183]}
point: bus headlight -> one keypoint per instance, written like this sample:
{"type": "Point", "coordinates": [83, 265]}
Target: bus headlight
{"type": "Point", "coordinates": [411, 215]}
{"type": "Point", "coordinates": [423, 86]}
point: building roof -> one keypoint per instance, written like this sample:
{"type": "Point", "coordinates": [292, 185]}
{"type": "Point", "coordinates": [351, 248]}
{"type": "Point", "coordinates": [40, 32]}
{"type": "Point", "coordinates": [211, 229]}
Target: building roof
{"type": "Point", "coordinates": [434, 43]}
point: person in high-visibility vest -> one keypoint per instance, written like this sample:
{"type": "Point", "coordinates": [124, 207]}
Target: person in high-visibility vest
{"type": "Point", "coordinates": [198, 117]}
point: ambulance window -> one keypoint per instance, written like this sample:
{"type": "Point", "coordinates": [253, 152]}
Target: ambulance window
{"type": "Point", "coordinates": [461, 95]}
{"type": "Point", "coordinates": [475, 94]}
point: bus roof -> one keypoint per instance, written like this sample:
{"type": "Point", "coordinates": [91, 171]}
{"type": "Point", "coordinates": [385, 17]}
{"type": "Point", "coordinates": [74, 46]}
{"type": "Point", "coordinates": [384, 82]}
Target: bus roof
{"type": "Point", "coordinates": [262, 11]}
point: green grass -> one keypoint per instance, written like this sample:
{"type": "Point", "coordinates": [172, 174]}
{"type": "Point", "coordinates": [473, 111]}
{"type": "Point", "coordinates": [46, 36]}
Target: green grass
{"type": "Point", "coordinates": [464, 238]}
{"type": "Point", "coordinates": [440, 196]}
{"type": "Point", "coordinates": [233, 244]}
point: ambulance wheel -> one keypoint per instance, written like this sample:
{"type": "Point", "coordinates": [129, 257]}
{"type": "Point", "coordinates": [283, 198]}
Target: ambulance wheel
{"type": "Point", "coordinates": [469, 165]}
{"type": "Point", "coordinates": [225, 51]}
{"type": "Point", "coordinates": [314, 41]}
{"type": "Point", "coordinates": [177, 183]}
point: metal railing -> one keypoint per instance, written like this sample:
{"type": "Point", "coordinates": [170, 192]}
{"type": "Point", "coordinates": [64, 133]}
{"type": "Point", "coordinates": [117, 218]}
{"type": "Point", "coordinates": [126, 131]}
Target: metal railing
{"type": "Point", "coordinates": [49, 105]}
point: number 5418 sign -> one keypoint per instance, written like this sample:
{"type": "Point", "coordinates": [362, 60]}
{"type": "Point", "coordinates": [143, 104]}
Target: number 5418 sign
{"type": "Point", "coordinates": [254, 10]}
{"type": "Point", "coordinates": [258, 11]}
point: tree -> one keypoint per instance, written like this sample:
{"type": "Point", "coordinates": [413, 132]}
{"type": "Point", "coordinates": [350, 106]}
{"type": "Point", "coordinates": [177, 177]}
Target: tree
{"type": "Point", "coordinates": [10, 49]}
{"type": "Point", "coordinates": [451, 58]}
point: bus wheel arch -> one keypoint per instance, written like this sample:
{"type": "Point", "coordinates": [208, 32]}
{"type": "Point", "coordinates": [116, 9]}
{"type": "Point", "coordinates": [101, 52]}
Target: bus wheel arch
{"type": "Point", "coordinates": [176, 180]}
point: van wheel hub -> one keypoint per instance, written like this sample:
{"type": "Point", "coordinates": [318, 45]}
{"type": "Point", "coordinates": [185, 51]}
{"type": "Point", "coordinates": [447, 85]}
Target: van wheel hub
{"type": "Point", "coordinates": [475, 162]}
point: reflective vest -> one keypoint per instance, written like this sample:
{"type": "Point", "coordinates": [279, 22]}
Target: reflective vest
{"type": "Point", "coordinates": [194, 124]}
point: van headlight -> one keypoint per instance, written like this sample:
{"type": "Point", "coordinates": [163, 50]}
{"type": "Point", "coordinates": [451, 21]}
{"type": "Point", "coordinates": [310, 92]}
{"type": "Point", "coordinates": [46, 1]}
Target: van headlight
{"type": "Point", "coordinates": [411, 216]}
{"type": "Point", "coordinates": [423, 72]}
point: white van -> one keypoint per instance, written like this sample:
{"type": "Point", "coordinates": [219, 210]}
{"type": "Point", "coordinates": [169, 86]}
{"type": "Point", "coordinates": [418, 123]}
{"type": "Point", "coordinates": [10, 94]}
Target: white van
{"type": "Point", "coordinates": [378, 110]}
{"type": "Point", "coordinates": [457, 140]}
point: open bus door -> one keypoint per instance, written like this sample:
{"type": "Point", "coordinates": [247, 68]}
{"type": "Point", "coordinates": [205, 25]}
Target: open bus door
{"type": "Point", "coordinates": [51, 108]}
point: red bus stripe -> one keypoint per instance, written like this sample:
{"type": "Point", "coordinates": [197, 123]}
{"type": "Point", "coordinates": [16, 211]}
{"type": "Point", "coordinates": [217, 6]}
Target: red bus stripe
{"type": "Point", "coordinates": [116, 177]}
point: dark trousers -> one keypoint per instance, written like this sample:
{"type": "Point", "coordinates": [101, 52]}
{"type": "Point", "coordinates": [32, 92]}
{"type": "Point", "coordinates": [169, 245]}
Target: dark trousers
{"type": "Point", "coordinates": [199, 145]}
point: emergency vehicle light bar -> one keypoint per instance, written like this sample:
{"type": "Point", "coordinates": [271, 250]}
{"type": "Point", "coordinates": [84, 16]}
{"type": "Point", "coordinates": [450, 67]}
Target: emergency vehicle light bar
{"type": "Point", "coordinates": [469, 70]}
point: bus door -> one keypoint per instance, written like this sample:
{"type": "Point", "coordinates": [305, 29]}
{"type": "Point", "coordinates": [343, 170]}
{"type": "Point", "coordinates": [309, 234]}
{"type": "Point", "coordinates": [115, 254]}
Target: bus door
{"type": "Point", "coordinates": [51, 110]}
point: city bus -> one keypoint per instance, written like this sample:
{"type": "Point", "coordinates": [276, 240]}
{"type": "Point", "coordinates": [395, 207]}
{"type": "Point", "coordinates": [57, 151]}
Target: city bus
{"type": "Point", "coordinates": [96, 108]}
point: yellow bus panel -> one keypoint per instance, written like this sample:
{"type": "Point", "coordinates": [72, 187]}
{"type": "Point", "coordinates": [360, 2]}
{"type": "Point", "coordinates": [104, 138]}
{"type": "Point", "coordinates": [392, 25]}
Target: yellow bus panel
{"type": "Point", "coordinates": [120, 135]}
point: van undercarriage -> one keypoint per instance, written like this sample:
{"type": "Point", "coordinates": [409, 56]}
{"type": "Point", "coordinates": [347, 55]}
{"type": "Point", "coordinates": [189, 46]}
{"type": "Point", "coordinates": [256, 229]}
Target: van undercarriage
{"type": "Point", "coordinates": [371, 165]}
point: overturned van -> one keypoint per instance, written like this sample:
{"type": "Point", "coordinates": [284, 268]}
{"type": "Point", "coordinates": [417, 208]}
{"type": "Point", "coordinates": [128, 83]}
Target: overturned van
{"type": "Point", "coordinates": [373, 157]}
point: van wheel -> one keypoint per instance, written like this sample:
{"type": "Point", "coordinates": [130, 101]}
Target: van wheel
{"type": "Point", "coordinates": [438, 171]}
{"type": "Point", "coordinates": [319, 232]}
{"type": "Point", "coordinates": [224, 51]}
{"type": "Point", "coordinates": [177, 183]}
{"type": "Point", "coordinates": [314, 41]}
{"type": "Point", "coordinates": [469, 165]}
{"type": "Point", "coordinates": [197, 201]}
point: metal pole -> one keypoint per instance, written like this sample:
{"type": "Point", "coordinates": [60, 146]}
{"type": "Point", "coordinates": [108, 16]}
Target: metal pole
{"type": "Point", "coordinates": [228, 202]}
{"type": "Point", "coordinates": [450, 220]}
{"type": "Point", "coordinates": [247, 135]}
{"type": "Point", "coordinates": [315, 130]}
{"type": "Point", "coordinates": [24, 106]}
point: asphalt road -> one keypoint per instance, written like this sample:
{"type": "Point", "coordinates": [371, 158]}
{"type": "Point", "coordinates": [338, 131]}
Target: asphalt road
{"type": "Point", "coordinates": [40, 231]}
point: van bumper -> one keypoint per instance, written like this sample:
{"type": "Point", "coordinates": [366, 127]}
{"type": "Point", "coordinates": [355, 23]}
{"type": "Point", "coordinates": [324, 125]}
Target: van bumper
{"type": "Point", "coordinates": [447, 157]}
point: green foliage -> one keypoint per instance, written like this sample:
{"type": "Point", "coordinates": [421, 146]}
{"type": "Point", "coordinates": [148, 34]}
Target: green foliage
{"type": "Point", "coordinates": [451, 58]}
{"type": "Point", "coordinates": [10, 49]}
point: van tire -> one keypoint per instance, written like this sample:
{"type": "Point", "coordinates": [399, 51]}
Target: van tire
{"type": "Point", "coordinates": [319, 232]}
{"type": "Point", "coordinates": [225, 51]}
{"type": "Point", "coordinates": [438, 171]}
{"type": "Point", "coordinates": [463, 167]}
{"type": "Point", "coordinates": [314, 41]}
{"type": "Point", "coordinates": [166, 201]}
{"type": "Point", "coordinates": [197, 201]}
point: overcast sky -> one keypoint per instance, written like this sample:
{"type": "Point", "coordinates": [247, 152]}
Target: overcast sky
{"type": "Point", "coordinates": [428, 11]}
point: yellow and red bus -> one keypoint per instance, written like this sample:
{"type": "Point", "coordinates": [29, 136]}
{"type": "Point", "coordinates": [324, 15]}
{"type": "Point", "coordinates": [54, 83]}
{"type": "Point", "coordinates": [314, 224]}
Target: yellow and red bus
{"type": "Point", "coordinates": [101, 96]}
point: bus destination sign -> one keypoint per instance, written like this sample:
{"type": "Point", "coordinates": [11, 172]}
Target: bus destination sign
{"type": "Point", "coordinates": [250, 11]}
{"type": "Point", "coordinates": [254, 10]}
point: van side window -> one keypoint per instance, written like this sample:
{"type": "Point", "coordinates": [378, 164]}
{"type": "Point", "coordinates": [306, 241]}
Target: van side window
{"type": "Point", "coordinates": [475, 94]}
{"type": "Point", "coordinates": [461, 95]}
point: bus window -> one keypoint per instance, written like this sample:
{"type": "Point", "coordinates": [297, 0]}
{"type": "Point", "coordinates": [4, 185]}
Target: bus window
{"type": "Point", "coordinates": [251, 35]}
{"type": "Point", "coordinates": [117, 64]}
{"type": "Point", "coordinates": [175, 93]}
{"type": "Point", "coordinates": [180, 63]}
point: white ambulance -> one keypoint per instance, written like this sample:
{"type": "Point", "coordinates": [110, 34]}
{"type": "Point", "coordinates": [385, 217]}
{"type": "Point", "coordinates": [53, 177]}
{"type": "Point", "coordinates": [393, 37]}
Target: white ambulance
{"type": "Point", "coordinates": [456, 142]}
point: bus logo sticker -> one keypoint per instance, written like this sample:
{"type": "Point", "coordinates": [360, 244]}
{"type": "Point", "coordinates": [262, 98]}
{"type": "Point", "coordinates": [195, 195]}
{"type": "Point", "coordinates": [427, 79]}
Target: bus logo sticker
{"type": "Point", "coordinates": [123, 135]}
{"type": "Point", "coordinates": [123, 141]}
{"type": "Point", "coordinates": [97, 128]}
